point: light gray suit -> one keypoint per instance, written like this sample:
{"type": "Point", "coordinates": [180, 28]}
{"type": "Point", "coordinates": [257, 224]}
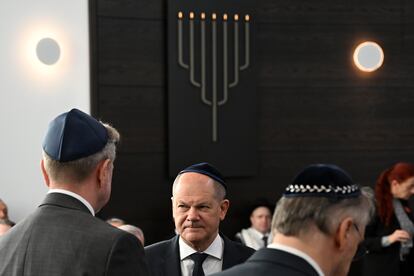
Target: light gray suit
{"type": "Point", "coordinates": [62, 238]}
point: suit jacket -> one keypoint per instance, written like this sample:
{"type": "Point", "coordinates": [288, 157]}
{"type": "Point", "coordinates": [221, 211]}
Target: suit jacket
{"type": "Point", "coordinates": [62, 238]}
{"type": "Point", "coordinates": [384, 261]}
{"type": "Point", "coordinates": [164, 257]}
{"type": "Point", "coordinates": [269, 261]}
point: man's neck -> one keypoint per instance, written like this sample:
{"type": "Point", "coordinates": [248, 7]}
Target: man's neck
{"type": "Point", "coordinates": [315, 245]}
{"type": "Point", "coordinates": [74, 195]}
{"type": "Point", "coordinates": [83, 190]}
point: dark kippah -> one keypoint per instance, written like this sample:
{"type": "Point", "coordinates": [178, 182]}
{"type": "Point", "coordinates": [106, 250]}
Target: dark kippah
{"type": "Point", "coordinates": [260, 202]}
{"type": "Point", "coordinates": [323, 180]}
{"type": "Point", "coordinates": [74, 135]}
{"type": "Point", "coordinates": [206, 169]}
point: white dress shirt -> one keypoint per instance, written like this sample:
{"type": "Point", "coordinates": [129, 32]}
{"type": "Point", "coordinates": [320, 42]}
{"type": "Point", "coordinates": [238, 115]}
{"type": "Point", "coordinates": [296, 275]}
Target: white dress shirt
{"type": "Point", "coordinates": [298, 253]}
{"type": "Point", "coordinates": [253, 238]}
{"type": "Point", "coordinates": [72, 194]}
{"type": "Point", "coordinates": [213, 262]}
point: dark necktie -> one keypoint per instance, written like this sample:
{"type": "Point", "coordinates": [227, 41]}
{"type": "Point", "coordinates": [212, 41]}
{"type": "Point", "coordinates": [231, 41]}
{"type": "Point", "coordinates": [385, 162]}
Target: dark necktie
{"type": "Point", "coordinates": [264, 238]}
{"type": "Point", "coordinates": [198, 259]}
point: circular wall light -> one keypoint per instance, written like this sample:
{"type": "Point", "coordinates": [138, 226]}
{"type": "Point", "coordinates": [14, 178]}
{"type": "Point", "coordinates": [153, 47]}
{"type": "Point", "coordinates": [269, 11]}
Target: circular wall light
{"type": "Point", "coordinates": [368, 56]}
{"type": "Point", "coordinates": [48, 51]}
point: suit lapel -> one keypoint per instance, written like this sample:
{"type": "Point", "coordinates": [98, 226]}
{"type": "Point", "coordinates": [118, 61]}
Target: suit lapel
{"type": "Point", "coordinates": [172, 259]}
{"type": "Point", "coordinates": [231, 256]}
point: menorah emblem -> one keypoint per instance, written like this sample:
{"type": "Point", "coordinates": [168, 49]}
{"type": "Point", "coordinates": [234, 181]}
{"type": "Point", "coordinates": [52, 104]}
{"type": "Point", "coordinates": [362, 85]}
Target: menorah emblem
{"type": "Point", "coordinates": [200, 82]}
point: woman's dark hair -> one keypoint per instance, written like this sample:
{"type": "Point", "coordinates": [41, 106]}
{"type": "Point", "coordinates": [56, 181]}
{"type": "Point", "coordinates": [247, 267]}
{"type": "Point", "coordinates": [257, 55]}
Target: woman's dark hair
{"type": "Point", "coordinates": [399, 172]}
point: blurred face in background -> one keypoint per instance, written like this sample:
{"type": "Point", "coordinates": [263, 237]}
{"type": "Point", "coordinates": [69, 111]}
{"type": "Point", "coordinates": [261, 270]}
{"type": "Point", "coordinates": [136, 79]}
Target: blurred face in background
{"type": "Point", "coordinates": [261, 219]}
{"type": "Point", "coordinates": [3, 210]}
{"type": "Point", "coordinates": [404, 189]}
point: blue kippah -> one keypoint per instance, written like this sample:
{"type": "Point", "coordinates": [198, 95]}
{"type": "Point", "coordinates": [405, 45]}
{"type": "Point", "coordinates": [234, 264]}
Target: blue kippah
{"type": "Point", "coordinates": [206, 169]}
{"type": "Point", "coordinates": [74, 135]}
{"type": "Point", "coordinates": [323, 180]}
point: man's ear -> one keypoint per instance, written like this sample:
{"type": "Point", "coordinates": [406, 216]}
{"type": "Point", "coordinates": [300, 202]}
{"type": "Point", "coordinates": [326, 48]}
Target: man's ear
{"type": "Point", "coordinates": [343, 233]}
{"type": "Point", "coordinates": [44, 173]}
{"type": "Point", "coordinates": [172, 206]}
{"type": "Point", "coordinates": [103, 171]}
{"type": "Point", "coordinates": [224, 206]}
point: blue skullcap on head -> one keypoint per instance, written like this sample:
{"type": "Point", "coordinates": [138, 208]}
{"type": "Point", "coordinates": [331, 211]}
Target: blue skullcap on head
{"type": "Point", "coordinates": [74, 135]}
{"type": "Point", "coordinates": [323, 180]}
{"type": "Point", "coordinates": [206, 169]}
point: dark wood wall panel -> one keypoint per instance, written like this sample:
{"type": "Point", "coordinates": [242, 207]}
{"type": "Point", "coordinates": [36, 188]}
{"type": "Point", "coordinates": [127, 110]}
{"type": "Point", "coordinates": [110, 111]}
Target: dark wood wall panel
{"type": "Point", "coordinates": [147, 9]}
{"type": "Point", "coordinates": [334, 12]}
{"type": "Point", "coordinates": [292, 12]}
{"type": "Point", "coordinates": [131, 52]}
{"type": "Point", "coordinates": [307, 117]}
{"type": "Point", "coordinates": [146, 190]}
{"type": "Point", "coordinates": [322, 55]}
{"type": "Point", "coordinates": [313, 105]}
{"type": "Point", "coordinates": [364, 165]}
{"type": "Point", "coordinates": [138, 111]}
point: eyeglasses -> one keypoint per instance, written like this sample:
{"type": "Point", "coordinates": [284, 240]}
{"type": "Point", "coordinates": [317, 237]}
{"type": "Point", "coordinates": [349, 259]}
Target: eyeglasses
{"type": "Point", "coordinates": [362, 249]}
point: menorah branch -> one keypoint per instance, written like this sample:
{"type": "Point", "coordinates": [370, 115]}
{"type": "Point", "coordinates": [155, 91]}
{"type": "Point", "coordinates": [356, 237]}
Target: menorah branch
{"type": "Point", "coordinates": [214, 102]}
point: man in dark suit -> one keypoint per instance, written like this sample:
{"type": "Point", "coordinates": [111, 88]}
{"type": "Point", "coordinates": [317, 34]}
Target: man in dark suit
{"type": "Point", "coordinates": [62, 237]}
{"type": "Point", "coordinates": [318, 225]}
{"type": "Point", "coordinates": [199, 204]}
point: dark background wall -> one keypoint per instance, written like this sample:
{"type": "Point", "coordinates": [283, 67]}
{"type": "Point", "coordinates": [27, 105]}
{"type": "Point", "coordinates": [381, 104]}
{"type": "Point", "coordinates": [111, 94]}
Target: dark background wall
{"type": "Point", "coordinates": [313, 105]}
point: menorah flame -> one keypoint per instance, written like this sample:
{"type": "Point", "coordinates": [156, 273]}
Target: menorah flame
{"type": "Point", "coordinates": [214, 102]}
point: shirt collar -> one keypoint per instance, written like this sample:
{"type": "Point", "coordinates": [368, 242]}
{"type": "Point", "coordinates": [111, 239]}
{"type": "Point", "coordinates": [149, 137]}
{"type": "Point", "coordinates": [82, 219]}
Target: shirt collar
{"type": "Point", "coordinates": [215, 249]}
{"type": "Point", "coordinates": [298, 253]}
{"type": "Point", "coordinates": [258, 234]}
{"type": "Point", "coordinates": [72, 194]}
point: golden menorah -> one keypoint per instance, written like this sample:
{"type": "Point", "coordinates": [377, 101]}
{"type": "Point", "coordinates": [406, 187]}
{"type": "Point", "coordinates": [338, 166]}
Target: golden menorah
{"type": "Point", "coordinates": [214, 102]}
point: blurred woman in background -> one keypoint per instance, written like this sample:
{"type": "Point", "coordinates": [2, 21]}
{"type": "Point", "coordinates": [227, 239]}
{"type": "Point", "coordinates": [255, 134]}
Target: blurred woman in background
{"type": "Point", "coordinates": [389, 237]}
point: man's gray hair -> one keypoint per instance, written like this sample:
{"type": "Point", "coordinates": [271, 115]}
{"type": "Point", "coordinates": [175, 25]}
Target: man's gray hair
{"type": "Point", "coordinates": [134, 230]}
{"type": "Point", "coordinates": [219, 190]}
{"type": "Point", "coordinates": [294, 215]}
{"type": "Point", "coordinates": [80, 169]}
{"type": "Point", "coordinates": [115, 220]}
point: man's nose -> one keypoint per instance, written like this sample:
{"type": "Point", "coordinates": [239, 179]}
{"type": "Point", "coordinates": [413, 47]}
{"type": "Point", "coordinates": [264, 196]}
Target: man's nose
{"type": "Point", "coordinates": [192, 214]}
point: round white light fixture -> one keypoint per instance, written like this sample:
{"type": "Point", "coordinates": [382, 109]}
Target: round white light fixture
{"type": "Point", "coordinates": [368, 56]}
{"type": "Point", "coordinates": [48, 51]}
